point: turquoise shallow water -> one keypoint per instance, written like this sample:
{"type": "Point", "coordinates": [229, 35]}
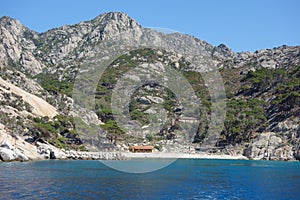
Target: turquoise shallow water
{"type": "Point", "coordinates": [184, 179]}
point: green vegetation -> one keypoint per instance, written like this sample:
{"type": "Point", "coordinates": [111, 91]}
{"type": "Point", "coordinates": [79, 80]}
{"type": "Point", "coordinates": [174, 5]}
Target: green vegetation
{"type": "Point", "coordinates": [114, 131]}
{"type": "Point", "coordinates": [51, 83]}
{"type": "Point", "coordinates": [139, 116]}
{"type": "Point", "coordinates": [149, 137]}
{"type": "Point", "coordinates": [282, 84]}
{"type": "Point", "coordinates": [289, 90]}
{"type": "Point", "coordinates": [15, 101]}
{"type": "Point", "coordinates": [251, 98]}
{"type": "Point", "coordinates": [59, 132]}
{"type": "Point", "coordinates": [15, 124]}
{"type": "Point", "coordinates": [261, 93]}
{"type": "Point", "coordinates": [136, 108]}
{"type": "Point", "coordinates": [243, 118]}
{"type": "Point", "coordinates": [262, 80]}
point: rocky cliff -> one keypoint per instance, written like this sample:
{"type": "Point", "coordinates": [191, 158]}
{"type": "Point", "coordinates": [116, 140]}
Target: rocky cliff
{"type": "Point", "coordinates": [257, 92]}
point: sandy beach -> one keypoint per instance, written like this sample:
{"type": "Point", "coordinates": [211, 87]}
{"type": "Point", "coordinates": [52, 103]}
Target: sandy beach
{"type": "Point", "coordinates": [182, 155]}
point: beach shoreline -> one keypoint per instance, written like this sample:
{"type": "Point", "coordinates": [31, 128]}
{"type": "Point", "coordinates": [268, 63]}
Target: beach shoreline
{"type": "Point", "coordinates": [165, 155]}
{"type": "Point", "coordinates": [17, 149]}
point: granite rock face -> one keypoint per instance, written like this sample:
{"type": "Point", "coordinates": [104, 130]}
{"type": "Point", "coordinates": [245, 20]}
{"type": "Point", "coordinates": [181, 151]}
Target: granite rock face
{"type": "Point", "coordinates": [269, 147]}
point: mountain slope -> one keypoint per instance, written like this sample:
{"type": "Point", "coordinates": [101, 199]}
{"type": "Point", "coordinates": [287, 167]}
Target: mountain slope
{"type": "Point", "coordinates": [40, 106]}
{"type": "Point", "coordinates": [262, 89]}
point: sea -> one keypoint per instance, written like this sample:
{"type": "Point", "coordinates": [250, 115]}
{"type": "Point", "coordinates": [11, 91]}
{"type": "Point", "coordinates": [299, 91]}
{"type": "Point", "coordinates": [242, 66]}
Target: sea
{"type": "Point", "coordinates": [181, 179]}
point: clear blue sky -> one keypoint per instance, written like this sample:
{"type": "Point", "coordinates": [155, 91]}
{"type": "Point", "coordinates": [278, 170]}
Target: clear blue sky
{"type": "Point", "coordinates": [242, 25]}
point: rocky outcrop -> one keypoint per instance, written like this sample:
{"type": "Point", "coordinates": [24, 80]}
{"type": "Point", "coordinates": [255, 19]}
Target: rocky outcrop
{"type": "Point", "coordinates": [269, 147]}
{"type": "Point", "coordinates": [25, 152]}
{"type": "Point", "coordinates": [39, 106]}
{"type": "Point", "coordinates": [9, 153]}
{"type": "Point", "coordinates": [279, 57]}
{"type": "Point", "coordinates": [14, 147]}
{"type": "Point", "coordinates": [17, 44]}
{"type": "Point", "coordinates": [50, 152]}
{"type": "Point", "coordinates": [297, 155]}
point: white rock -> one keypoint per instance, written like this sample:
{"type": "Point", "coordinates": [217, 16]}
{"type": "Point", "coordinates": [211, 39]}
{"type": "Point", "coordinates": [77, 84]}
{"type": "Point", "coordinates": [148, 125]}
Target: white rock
{"type": "Point", "coordinates": [7, 145]}
{"type": "Point", "coordinates": [270, 147]}
{"type": "Point", "coordinates": [21, 156]}
{"type": "Point", "coordinates": [7, 154]}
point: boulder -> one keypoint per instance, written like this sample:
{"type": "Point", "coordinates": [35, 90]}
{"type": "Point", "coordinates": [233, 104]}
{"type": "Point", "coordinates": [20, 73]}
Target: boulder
{"type": "Point", "coordinates": [144, 100]}
{"type": "Point", "coordinates": [49, 151]}
{"type": "Point", "coordinates": [155, 99]}
{"type": "Point", "coordinates": [7, 155]}
{"type": "Point", "coordinates": [297, 154]}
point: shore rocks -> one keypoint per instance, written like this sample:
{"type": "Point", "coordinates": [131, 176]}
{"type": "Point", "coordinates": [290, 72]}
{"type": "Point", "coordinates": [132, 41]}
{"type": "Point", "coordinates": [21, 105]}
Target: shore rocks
{"type": "Point", "coordinates": [48, 151]}
{"type": "Point", "coordinates": [297, 155]}
{"type": "Point", "coordinates": [78, 155]}
{"type": "Point", "coordinates": [269, 147]}
{"type": "Point", "coordinates": [9, 153]}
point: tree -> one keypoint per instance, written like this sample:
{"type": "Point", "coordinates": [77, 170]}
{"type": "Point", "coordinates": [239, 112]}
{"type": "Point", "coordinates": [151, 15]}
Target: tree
{"type": "Point", "coordinates": [114, 131]}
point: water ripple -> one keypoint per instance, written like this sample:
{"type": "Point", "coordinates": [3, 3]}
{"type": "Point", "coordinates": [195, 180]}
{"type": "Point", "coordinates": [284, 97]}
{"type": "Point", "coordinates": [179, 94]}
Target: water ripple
{"type": "Point", "coordinates": [185, 179]}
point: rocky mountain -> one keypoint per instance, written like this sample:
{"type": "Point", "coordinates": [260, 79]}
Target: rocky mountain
{"type": "Point", "coordinates": [109, 83]}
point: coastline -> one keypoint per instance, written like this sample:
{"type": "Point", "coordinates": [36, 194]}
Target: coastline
{"type": "Point", "coordinates": [164, 155]}
{"type": "Point", "coordinates": [118, 155]}
{"type": "Point", "coordinates": [17, 149]}
{"type": "Point", "coordinates": [121, 155]}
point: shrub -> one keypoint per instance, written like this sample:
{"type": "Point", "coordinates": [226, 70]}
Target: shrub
{"type": "Point", "coordinates": [149, 137]}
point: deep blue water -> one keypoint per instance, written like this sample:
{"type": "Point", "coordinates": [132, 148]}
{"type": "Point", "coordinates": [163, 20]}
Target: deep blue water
{"type": "Point", "coordinates": [184, 179]}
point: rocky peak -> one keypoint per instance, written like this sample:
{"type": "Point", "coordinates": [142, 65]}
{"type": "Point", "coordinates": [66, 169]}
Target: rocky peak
{"type": "Point", "coordinates": [61, 43]}
{"type": "Point", "coordinates": [8, 21]}
{"type": "Point", "coordinates": [12, 25]}
{"type": "Point", "coordinates": [222, 51]}
{"type": "Point", "coordinates": [113, 23]}
{"type": "Point", "coordinates": [17, 44]}
{"type": "Point", "coordinates": [120, 18]}
{"type": "Point", "coordinates": [224, 48]}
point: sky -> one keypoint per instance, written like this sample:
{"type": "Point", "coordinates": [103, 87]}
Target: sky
{"type": "Point", "coordinates": [243, 25]}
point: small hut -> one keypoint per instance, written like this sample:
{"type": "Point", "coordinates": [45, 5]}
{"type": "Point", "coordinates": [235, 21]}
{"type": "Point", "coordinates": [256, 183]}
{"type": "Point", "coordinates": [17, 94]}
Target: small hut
{"type": "Point", "coordinates": [141, 149]}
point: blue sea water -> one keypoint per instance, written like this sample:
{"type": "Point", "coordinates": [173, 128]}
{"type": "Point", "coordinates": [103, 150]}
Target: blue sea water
{"type": "Point", "coordinates": [183, 179]}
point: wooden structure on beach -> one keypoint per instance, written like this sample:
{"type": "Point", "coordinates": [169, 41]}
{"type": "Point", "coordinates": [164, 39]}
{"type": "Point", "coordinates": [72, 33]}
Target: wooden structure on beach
{"type": "Point", "coordinates": [141, 149]}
